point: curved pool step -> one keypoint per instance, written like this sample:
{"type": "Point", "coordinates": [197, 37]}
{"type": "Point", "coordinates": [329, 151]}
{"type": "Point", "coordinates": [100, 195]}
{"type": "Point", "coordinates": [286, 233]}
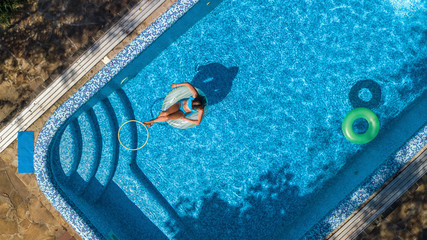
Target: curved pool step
{"type": "Point", "coordinates": [78, 134]}
{"type": "Point", "coordinates": [101, 157]}
{"type": "Point", "coordinates": [124, 112]}
{"type": "Point", "coordinates": [65, 159]}
{"type": "Point", "coordinates": [109, 159]}
{"type": "Point", "coordinates": [90, 150]}
{"type": "Point", "coordinates": [69, 152]}
{"type": "Point", "coordinates": [74, 181]}
{"type": "Point", "coordinates": [98, 144]}
{"type": "Point", "coordinates": [109, 128]}
{"type": "Point", "coordinates": [130, 115]}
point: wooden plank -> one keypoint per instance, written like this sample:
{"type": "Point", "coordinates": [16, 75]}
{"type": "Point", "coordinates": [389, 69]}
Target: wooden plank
{"type": "Point", "coordinates": [77, 70]}
{"type": "Point", "coordinates": [414, 170]}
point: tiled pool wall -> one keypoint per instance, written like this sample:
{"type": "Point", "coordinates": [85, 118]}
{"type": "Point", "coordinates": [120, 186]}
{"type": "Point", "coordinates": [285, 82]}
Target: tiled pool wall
{"type": "Point", "coordinates": [345, 208]}
{"type": "Point", "coordinates": [81, 97]}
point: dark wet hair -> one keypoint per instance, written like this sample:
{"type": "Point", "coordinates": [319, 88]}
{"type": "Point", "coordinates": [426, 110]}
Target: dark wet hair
{"type": "Point", "coordinates": [199, 102]}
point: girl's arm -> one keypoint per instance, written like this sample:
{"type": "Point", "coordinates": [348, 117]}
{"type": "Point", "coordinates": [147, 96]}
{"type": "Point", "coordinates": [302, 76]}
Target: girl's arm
{"type": "Point", "coordinates": [199, 118]}
{"type": "Point", "coordinates": [186, 84]}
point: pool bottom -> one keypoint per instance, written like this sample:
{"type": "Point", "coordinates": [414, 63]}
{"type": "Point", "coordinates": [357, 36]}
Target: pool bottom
{"type": "Point", "coordinates": [380, 154]}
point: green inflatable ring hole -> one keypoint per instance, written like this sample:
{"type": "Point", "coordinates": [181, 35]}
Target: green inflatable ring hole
{"type": "Point", "coordinates": [173, 97]}
{"type": "Point", "coordinates": [369, 135]}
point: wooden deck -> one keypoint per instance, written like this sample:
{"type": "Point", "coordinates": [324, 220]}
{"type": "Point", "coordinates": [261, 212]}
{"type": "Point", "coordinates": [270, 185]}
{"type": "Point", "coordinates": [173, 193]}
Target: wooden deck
{"type": "Point", "coordinates": [414, 170]}
{"type": "Point", "coordinates": [77, 70]}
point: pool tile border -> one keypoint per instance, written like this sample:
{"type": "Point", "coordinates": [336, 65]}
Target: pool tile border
{"type": "Point", "coordinates": [318, 231]}
{"type": "Point", "coordinates": [82, 96]}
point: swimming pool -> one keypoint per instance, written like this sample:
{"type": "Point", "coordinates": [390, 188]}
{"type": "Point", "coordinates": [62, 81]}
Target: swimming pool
{"type": "Point", "coordinates": [269, 160]}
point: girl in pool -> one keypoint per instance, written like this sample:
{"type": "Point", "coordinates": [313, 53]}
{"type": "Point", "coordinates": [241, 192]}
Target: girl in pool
{"type": "Point", "coordinates": [183, 108]}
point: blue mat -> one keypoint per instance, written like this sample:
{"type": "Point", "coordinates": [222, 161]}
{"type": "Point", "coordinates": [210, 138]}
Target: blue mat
{"type": "Point", "coordinates": [25, 152]}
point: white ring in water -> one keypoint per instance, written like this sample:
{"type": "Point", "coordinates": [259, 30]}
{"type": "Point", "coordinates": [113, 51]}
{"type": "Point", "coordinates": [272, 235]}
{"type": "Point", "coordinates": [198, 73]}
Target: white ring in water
{"type": "Point", "coordinates": [132, 149]}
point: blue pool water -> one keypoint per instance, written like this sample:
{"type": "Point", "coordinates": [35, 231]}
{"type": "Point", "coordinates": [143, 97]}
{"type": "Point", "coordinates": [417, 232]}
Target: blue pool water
{"type": "Point", "coordinates": [278, 77]}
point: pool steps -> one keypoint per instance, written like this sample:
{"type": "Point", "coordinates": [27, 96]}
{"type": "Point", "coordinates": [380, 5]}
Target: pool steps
{"type": "Point", "coordinates": [78, 136]}
{"type": "Point", "coordinates": [83, 182]}
{"type": "Point", "coordinates": [94, 193]}
{"type": "Point", "coordinates": [89, 148]}
{"type": "Point", "coordinates": [77, 70]}
{"type": "Point", "coordinates": [119, 155]}
{"type": "Point", "coordinates": [98, 144]}
{"type": "Point", "coordinates": [108, 127]}
{"type": "Point", "coordinates": [116, 146]}
{"type": "Point", "coordinates": [56, 165]}
{"type": "Point", "coordinates": [79, 177]}
{"type": "Point", "coordinates": [97, 153]}
{"type": "Point", "coordinates": [159, 210]}
{"type": "Point", "coordinates": [69, 157]}
{"type": "Point", "coordinates": [101, 123]}
{"type": "Point", "coordinates": [93, 122]}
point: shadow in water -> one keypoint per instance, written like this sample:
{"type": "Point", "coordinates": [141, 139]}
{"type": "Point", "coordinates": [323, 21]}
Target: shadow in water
{"type": "Point", "coordinates": [417, 72]}
{"type": "Point", "coordinates": [373, 87]}
{"type": "Point", "coordinates": [215, 80]}
{"type": "Point", "coordinates": [265, 210]}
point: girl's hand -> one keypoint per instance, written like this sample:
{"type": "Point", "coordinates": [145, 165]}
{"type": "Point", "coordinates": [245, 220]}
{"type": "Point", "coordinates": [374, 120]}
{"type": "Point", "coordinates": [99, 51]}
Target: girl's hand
{"type": "Point", "coordinates": [173, 85]}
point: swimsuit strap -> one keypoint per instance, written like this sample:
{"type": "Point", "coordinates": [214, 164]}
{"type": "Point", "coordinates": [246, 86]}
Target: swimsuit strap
{"type": "Point", "coordinates": [190, 104]}
{"type": "Point", "coordinates": [181, 107]}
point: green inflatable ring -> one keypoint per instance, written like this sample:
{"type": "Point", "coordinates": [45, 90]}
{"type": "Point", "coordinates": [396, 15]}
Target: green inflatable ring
{"type": "Point", "coordinates": [369, 135]}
